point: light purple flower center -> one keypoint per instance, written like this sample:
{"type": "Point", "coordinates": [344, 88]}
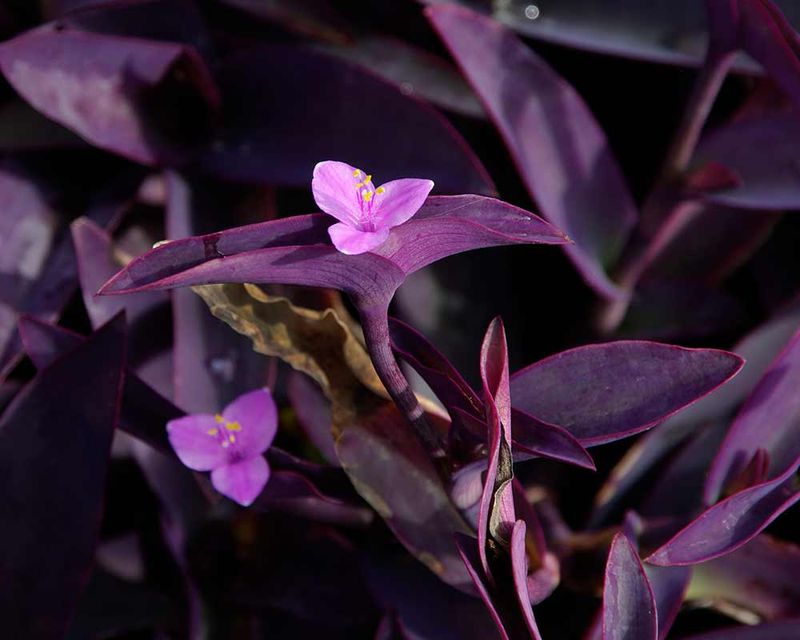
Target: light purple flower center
{"type": "Point", "coordinates": [225, 435]}
{"type": "Point", "coordinates": [367, 199]}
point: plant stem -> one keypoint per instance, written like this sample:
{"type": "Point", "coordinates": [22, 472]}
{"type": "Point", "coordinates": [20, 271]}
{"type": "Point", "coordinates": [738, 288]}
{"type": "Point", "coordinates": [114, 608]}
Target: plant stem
{"type": "Point", "coordinates": [375, 323]}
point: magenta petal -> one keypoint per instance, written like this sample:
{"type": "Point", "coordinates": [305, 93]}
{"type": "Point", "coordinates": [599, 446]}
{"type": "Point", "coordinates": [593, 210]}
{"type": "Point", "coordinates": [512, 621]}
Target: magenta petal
{"type": "Point", "coordinates": [241, 481]}
{"type": "Point", "coordinates": [335, 192]}
{"type": "Point", "coordinates": [196, 448]}
{"type": "Point", "coordinates": [401, 200]}
{"type": "Point", "coordinates": [258, 418]}
{"type": "Point", "coordinates": [352, 241]}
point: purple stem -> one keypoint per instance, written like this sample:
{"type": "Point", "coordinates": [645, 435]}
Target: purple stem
{"type": "Point", "coordinates": [375, 323]}
{"type": "Point", "coordinates": [665, 212]}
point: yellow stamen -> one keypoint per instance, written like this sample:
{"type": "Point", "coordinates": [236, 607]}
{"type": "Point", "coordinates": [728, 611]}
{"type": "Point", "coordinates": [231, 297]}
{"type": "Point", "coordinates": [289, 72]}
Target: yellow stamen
{"type": "Point", "coordinates": [233, 426]}
{"type": "Point", "coordinates": [380, 190]}
{"type": "Point", "coordinates": [367, 195]}
{"type": "Point", "coordinates": [219, 419]}
{"type": "Point", "coordinates": [368, 179]}
{"type": "Point", "coordinates": [212, 432]}
{"type": "Point", "coordinates": [356, 172]}
{"type": "Point", "coordinates": [359, 185]}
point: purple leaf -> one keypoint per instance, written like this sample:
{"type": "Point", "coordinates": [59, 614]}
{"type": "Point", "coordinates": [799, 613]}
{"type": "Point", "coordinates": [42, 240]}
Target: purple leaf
{"type": "Point", "coordinates": [763, 151]}
{"type": "Point", "coordinates": [472, 561]}
{"type": "Point", "coordinates": [97, 85]}
{"type": "Point", "coordinates": [730, 523]}
{"type": "Point", "coordinates": [296, 250]}
{"type": "Point", "coordinates": [443, 614]}
{"type": "Point", "coordinates": [528, 434]}
{"type": "Point", "coordinates": [265, 140]}
{"type": "Point", "coordinates": [559, 149]}
{"type": "Point", "coordinates": [782, 630]}
{"type": "Point", "coordinates": [94, 250]}
{"type": "Point", "coordinates": [769, 420]}
{"type": "Point", "coordinates": [605, 392]}
{"type": "Point", "coordinates": [384, 459]}
{"type": "Point", "coordinates": [629, 606]}
{"type": "Point", "coordinates": [669, 586]}
{"type": "Point", "coordinates": [414, 70]}
{"type": "Point", "coordinates": [54, 457]}
{"type": "Point", "coordinates": [313, 412]}
{"type": "Point", "coordinates": [758, 349]}
{"type": "Point", "coordinates": [496, 514]}
{"type": "Point", "coordinates": [519, 572]}
{"type": "Point", "coordinates": [760, 577]}
{"type": "Point", "coordinates": [673, 33]}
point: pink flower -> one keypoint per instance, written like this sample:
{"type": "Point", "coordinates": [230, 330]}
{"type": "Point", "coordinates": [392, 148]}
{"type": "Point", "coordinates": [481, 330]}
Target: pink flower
{"type": "Point", "coordinates": [366, 214]}
{"type": "Point", "coordinates": [230, 445]}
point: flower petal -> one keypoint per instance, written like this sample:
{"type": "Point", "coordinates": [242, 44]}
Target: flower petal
{"type": "Point", "coordinates": [195, 447]}
{"type": "Point", "coordinates": [257, 416]}
{"type": "Point", "coordinates": [241, 481]}
{"type": "Point", "coordinates": [401, 200]}
{"type": "Point", "coordinates": [352, 241]}
{"type": "Point", "coordinates": [335, 192]}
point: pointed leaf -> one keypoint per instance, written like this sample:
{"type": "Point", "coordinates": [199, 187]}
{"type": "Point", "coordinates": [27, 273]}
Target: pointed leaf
{"type": "Point", "coordinates": [629, 607]}
{"type": "Point", "coordinates": [730, 523]}
{"type": "Point", "coordinates": [769, 420]}
{"type": "Point", "coordinates": [559, 149]}
{"type": "Point", "coordinates": [604, 392]}
{"type": "Point", "coordinates": [54, 449]}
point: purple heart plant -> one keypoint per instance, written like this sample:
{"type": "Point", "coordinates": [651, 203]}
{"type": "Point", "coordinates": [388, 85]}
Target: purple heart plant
{"type": "Point", "coordinates": [221, 417]}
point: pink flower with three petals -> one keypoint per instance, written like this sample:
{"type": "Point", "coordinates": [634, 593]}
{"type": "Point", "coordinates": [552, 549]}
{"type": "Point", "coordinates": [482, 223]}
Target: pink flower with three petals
{"type": "Point", "coordinates": [366, 214]}
{"type": "Point", "coordinates": [230, 444]}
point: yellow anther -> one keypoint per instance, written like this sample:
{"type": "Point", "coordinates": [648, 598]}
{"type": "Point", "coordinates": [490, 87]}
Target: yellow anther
{"type": "Point", "coordinates": [367, 195]}
{"type": "Point", "coordinates": [359, 185]}
{"type": "Point", "coordinates": [212, 432]}
{"type": "Point", "coordinates": [368, 179]}
{"type": "Point", "coordinates": [356, 172]}
{"type": "Point", "coordinates": [233, 426]}
{"type": "Point", "coordinates": [219, 419]}
{"type": "Point", "coordinates": [380, 190]}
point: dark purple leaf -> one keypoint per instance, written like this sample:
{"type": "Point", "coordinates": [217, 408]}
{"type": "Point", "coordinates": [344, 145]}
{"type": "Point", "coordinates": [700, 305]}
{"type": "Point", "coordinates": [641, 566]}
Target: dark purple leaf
{"type": "Point", "coordinates": [496, 515]}
{"type": "Point", "coordinates": [313, 412]}
{"type": "Point", "coordinates": [528, 434]}
{"type": "Point", "coordinates": [316, 18]}
{"type": "Point", "coordinates": [763, 152]}
{"type": "Point", "coordinates": [265, 140]}
{"type": "Point", "coordinates": [669, 586]}
{"type": "Point", "coordinates": [383, 459]}
{"type": "Point", "coordinates": [629, 606]}
{"type": "Point", "coordinates": [769, 420]}
{"type": "Point", "coordinates": [559, 149]}
{"type": "Point", "coordinates": [467, 549]}
{"type": "Point", "coordinates": [97, 262]}
{"type": "Point", "coordinates": [519, 572]}
{"type": "Point", "coordinates": [414, 70]}
{"type": "Point", "coordinates": [98, 86]}
{"type": "Point", "coordinates": [783, 630]}
{"type": "Point", "coordinates": [44, 343]}
{"type": "Point", "coordinates": [758, 349]}
{"type": "Point", "coordinates": [443, 614]}
{"type": "Point", "coordinates": [54, 457]}
{"type": "Point", "coordinates": [671, 32]}
{"type": "Point", "coordinates": [604, 392]}
{"type": "Point", "coordinates": [760, 577]}
{"type": "Point", "coordinates": [730, 523]}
